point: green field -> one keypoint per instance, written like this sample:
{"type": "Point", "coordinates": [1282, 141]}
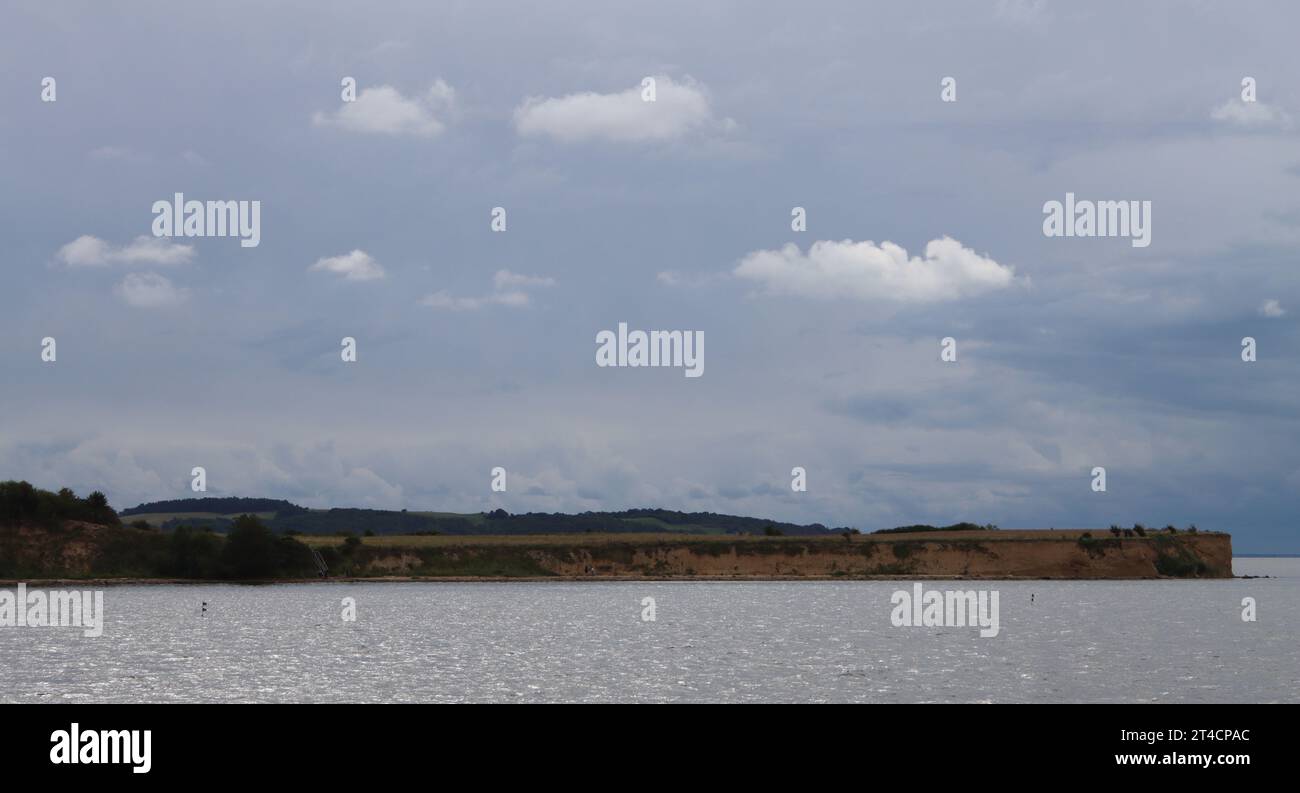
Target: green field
{"type": "Point", "coordinates": [159, 518]}
{"type": "Point", "coordinates": [463, 540]}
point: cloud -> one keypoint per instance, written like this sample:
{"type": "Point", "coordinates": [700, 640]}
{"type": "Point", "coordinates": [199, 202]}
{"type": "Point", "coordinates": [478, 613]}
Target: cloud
{"type": "Point", "coordinates": [866, 271]}
{"type": "Point", "coordinates": [446, 301]}
{"type": "Point", "coordinates": [1271, 309]}
{"type": "Point", "coordinates": [355, 266]}
{"type": "Point", "coordinates": [508, 288]}
{"type": "Point", "coordinates": [383, 110]}
{"type": "Point", "coordinates": [624, 117]}
{"type": "Point", "coordinates": [150, 290]}
{"type": "Point", "coordinates": [1251, 114]}
{"type": "Point", "coordinates": [504, 279]}
{"type": "Point", "coordinates": [89, 251]}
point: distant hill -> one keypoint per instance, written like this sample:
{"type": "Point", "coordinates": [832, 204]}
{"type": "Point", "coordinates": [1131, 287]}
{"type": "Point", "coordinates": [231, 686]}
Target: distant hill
{"type": "Point", "coordinates": [284, 516]}
{"type": "Point", "coordinates": [217, 506]}
{"type": "Point", "coordinates": [925, 527]}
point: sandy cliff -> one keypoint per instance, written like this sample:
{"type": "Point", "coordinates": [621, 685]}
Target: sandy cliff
{"type": "Point", "coordinates": [1012, 554]}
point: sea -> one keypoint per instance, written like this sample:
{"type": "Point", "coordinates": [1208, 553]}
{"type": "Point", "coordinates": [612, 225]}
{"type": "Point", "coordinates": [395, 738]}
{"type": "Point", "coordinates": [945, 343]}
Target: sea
{"type": "Point", "coordinates": [1232, 640]}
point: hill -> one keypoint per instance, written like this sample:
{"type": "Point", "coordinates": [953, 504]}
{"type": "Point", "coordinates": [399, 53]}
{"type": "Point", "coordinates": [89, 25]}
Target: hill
{"type": "Point", "coordinates": [59, 535]}
{"type": "Point", "coordinates": [285, 517]}
{"type": "Point", "coordinates": [219, 506]}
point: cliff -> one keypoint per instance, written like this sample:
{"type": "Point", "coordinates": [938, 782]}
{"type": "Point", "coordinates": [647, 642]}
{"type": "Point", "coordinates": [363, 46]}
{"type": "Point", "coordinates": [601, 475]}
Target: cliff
{"type": "Point", "coordinates": [983, 554]}
{"type": "Point", "coordinates": [83, 550]}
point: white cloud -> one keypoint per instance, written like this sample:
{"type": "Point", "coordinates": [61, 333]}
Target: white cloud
{"type": "Point", "coordinates": [355, 266]}
{"type": "Point", "coordinates": [623, 117]}
{"type": "Point", "coordinates": [504, 279]}
{"type": "Point", "coordinates": [1272, 309]}
{"type": "Point", "coordinates": [1251, 114]}
{"type": "Point", "coordinates": [382, 109]}
{"type": "Point", "coordinates": [89, 251]}
{"type": "Point", "coordinates": [866, 271]}
{"type": "Point", "coordinates": [677, 279]}
{"type": "Point", "coordinates": [150, 290]}
{"type": "Point", "coordinates": [444, 300]}
{"type": "Point", "coordinates": [508, 288]}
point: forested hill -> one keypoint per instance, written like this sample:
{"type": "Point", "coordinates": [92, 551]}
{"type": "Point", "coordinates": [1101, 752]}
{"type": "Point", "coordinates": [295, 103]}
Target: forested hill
{"type": "Point", "coordinates": [219, 506]}
{"type": "Point", "coordinates": [284, 516]}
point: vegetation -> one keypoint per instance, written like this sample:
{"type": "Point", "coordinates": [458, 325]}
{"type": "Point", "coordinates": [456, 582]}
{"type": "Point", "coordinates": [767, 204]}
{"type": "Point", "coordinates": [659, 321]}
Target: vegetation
{"type": "Point", "coordinates": [250, 551]}
{"type": "Point", "coordinates": [1175, 560]}
{"type": "Point", "coordinates": [923, 527]}
{"type": "Point", "coordinates": [218, 514]}
{"type": "Point", "coordinates": [20, 502]}
{"type": "Point", "coordinates": [220, 506]}
{"type": "Point", "coordinates": [83, 537]}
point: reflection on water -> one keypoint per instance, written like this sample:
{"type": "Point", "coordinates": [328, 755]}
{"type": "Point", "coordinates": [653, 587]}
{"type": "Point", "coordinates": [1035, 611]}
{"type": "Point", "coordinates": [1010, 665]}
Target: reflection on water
{"type": "Point", "coordinates": [1149, 641]}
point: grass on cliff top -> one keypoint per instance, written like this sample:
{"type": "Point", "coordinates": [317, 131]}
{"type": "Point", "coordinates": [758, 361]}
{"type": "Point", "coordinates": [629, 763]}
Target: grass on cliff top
{"type": "Point", "coordinates": [447, 540]}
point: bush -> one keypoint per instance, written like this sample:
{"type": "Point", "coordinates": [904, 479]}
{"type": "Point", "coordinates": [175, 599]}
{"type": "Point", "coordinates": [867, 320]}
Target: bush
{"type": "Point", "coordinates": [194, 554]}
{"type": "Point", "coordinates": [253, 551]}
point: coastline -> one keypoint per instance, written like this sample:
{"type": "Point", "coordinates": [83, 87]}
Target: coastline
{"type": "Point", "coordinates": [100, 555]}
{"type": "Point", "coordinates": [49, 583]}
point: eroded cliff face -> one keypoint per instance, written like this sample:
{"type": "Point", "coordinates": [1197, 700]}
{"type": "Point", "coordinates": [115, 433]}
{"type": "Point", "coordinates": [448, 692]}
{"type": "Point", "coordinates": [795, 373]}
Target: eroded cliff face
{"type": "Point", "coordinates": [70, 550]}
{"type": "Point", "coordinates": [81, 550]}
{"type": "Point", "coordinates": [1066, 556]}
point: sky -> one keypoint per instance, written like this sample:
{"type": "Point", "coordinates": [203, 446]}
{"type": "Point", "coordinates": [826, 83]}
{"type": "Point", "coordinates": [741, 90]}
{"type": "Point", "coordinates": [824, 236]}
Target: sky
{"type": "Point", "coordinates": [477, 348]}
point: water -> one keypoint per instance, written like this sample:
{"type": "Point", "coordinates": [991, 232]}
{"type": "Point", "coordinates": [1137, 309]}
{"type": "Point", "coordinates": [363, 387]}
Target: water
{"type": "Point", "coordinates": [1111, 641]}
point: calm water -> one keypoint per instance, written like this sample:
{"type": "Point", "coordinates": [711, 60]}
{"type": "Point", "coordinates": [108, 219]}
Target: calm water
{"type": "Point", "coordinates": [1158, 641]}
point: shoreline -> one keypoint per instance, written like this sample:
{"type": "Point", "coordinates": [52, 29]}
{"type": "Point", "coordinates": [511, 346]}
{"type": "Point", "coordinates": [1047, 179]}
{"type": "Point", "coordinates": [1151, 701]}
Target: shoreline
{"type": "Point", "coordinates": [125, 555]}
{"type": "Point", "coordinates": [569, 579]}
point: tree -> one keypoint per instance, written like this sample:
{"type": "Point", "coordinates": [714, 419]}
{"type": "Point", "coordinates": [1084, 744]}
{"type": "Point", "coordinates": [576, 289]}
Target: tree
{"type": "Point", "coordinates": [250, 549]}
{"type": "Point", "coordinates": [193, 554]}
